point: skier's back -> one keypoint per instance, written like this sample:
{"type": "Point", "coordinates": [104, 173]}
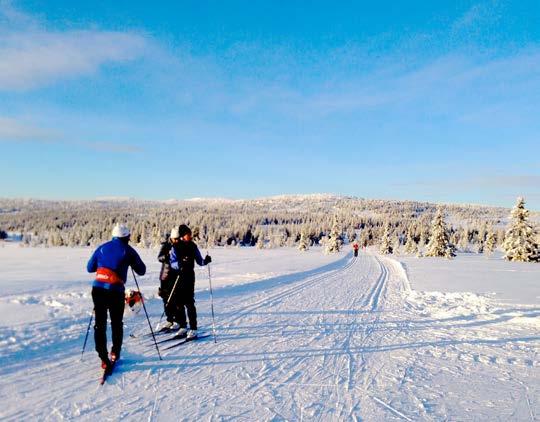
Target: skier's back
{"type": "Point", "coordinates": [111, 262]}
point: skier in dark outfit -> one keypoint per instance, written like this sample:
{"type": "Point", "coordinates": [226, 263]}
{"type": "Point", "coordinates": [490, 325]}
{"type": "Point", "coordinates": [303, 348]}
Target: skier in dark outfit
{"type": "Point", "coordinates": [110, 262]}
{"type": "Point", "coordinates": [168, 276]}
{"type": "Point", "coordinates": [187, 254]}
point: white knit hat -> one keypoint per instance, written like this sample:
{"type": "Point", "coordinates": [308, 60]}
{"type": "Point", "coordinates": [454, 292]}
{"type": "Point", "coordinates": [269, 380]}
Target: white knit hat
{"type": "Point", "coordinates": [175, 233]}
{"type": "Point", "coordinates": [120, 230]}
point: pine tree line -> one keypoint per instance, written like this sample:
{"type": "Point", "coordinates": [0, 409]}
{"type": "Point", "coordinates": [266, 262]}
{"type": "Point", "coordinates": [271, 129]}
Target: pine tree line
{"type": "Point", "coordinates": [295, 221]}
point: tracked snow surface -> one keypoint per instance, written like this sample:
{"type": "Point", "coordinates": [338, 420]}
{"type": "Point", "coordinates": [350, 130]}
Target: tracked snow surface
{"type": "Point", "coordinates": [345, 339]}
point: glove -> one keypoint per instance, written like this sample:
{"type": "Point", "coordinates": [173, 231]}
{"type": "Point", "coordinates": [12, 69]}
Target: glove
{"type": "Point", "coordinates": [207, 259]}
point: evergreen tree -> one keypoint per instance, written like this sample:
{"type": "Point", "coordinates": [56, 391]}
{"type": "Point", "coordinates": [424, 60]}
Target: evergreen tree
{"type": "Point", "coordinates": [423, 239]}
{"type": "Point", "coordinates": [333, 244]}
{"type": "Point", "coordinates": [491, 243]}
{"type": "Point", "coordinates": [439, 244]}
{"type": "Point", "coordinates": [411, 247]}
{"type": "Point", "coordinates": [397, 245]}
{"type": "Point", "coordinates": [386, 247]}
{"type": "Point", "coordinates": [520, 239]}
{"type": "Point", "coordinates": [464, 240]}
{"type": "Point", "coordinates": [351, 235]}
{"type": "Point", "coordinates": [304, 240]}
{"type": "Point", "coordinates": [260, 242]}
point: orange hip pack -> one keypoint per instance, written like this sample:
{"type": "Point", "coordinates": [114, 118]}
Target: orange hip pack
{"type": "Point", "coordinates": [108, 276]}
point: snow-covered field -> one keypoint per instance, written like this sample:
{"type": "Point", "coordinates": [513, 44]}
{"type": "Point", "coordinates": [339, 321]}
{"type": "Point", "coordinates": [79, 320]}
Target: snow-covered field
{"type": "Point", "coordinates": [506, 282]}
{"type": "Point", "coordinates": [301, 336]}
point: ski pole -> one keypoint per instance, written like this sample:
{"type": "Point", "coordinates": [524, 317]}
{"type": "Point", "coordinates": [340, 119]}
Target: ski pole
{"type": "Point", "coordinates": [87, 331]}
{"type": "Point", "coordinates": [212, 303]}
{"type": "Point", "coordinates": [169, 298]}
{"type": "Point", "coordinates": [146, 313]}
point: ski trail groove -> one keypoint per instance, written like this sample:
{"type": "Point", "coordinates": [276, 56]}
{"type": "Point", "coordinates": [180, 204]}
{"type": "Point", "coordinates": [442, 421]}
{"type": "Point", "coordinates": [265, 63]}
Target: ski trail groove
{"type": "Point", "coordinates": [284, 293]}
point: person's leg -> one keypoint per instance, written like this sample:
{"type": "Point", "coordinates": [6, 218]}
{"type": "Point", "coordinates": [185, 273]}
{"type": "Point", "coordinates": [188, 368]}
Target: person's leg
{"type": "Point", "coordinates": [190, 306]}
{"type": "Point", "coordinates": [100, 318]}
{"type": "Point", "coordinates": [180, 315]}
{"type": "Point", "coordinates": [116, 311]}
{"type": "Point", "coordinates": [179, 311]}
{"type": "Point", "coordinates": [167, 307]}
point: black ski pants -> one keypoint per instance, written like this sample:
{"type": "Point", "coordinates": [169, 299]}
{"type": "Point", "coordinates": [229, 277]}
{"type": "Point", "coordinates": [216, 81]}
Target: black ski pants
{"type": "Point", "coordinates": [185, 301]}
{"type": "Point", "coordinates": [113, 302]}
{"type": "Point", "coordinates": [165, 290]}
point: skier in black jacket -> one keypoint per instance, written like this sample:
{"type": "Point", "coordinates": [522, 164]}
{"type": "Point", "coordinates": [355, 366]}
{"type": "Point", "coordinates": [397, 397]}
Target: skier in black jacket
{"type": "Point", "coordinates": [187, 254]}
{"type": "Point", "coordinates": [168, 278]}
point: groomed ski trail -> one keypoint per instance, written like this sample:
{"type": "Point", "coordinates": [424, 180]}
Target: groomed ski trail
{"type": "Point", "coordinates": [339, 344]}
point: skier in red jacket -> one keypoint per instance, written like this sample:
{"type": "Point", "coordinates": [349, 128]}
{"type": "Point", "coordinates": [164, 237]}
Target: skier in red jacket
{"type": "Point", "coordinates": [355, 248]}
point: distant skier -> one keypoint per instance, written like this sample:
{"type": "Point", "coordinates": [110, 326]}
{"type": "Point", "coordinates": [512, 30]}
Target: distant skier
{"type": "Point", "coordinates": [168, 277]}
{"type": "Point", "coordinates": [355, 248]}
{"type": "Point", "coordinates": [110, 262]}
{"type": "Point", "coordinates": [187, 253]}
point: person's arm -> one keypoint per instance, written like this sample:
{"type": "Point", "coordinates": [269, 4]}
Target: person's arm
{"type": "Point", "coordinates": [91, 267]}
{"type": "Point", "coordinates": [164, 252]}
{"type": "Point", "coordinates": [137, 264]}
{"type": "Point", "coordinates": [207, 260]}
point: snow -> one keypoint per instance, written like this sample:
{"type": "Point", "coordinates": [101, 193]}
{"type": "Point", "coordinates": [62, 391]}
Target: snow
{"type": "Point", "coordinates": [300, 336]}
{"type": "Point", "coordinates": [507, 282]}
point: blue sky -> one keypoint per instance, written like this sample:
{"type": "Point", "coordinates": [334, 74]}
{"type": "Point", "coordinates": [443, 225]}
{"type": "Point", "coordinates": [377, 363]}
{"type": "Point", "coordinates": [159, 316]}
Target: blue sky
{"type": "Point", "coordinates": [420, 100]}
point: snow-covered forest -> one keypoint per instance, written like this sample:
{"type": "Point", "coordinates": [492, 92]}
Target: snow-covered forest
{"type": "Point", "coordinates": [295, 221]}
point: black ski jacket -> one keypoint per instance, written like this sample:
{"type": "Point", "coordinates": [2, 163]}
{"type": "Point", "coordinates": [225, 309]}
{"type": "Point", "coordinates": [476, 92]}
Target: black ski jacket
{"type": "Point", "coordinates": [167, 273]}
{"type": "Point", "coordinates": [188, 253]}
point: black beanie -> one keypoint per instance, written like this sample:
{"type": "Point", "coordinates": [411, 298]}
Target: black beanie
{"type": "Point", "coordinates": [183, 229]}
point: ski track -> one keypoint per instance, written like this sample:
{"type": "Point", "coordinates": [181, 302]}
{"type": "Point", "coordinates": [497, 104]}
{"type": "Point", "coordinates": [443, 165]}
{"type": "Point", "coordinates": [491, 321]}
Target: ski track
{"type": "Point", "coordinates": [340, 344]}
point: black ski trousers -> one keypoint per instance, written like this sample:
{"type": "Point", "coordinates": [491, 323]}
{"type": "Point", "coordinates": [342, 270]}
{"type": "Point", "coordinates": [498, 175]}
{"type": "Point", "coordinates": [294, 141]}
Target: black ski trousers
{"type": "Point", "coordinates": [165, 290]}
{"type": "Point", "coordinates": [113, 302]}
{"type": "Point", "coordinates": [185, 301]}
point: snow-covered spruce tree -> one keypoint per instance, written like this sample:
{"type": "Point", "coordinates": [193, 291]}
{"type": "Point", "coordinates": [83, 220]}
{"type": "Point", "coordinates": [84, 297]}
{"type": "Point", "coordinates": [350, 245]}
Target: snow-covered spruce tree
{"type": "Point", "coordinates": [333, 244]}
{"type": "Point", "coordinates": [423, 239]}
{"type": "Point", "coordinates": [386, 246]}
{"type": "Point", "coordinates": [260, 241]}
{"type": "Point", "coordinates": [351, 235]}
{"type": "Point", "coordinates": [396, 245]}
{"type": "Point", "coordinates": [411, 247]}
{"type": "Point", "coordinates": [491, 243]}
{"type": "Point", "coordinates": [520, 239]}
{"type": "Point", "coordinates": [463, 243]}
{"type": "Point", "coordinates": [439, 244]}
{"type": "Point", "coordinates": [303, 245]}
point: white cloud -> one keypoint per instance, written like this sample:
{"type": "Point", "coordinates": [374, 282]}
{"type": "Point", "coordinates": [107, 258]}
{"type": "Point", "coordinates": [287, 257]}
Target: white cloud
{"type": "Point", "coordinates": [110, 147]}
{"type": "Point", "coordinates": [13, 130]}
{"type": "Point", "coordinates": [456, 86]}
{"type": "Point", "coordinates": [483, 13]}
{"type": "Point", "coordinates": [18, 130]}
{"type": "Point", "coordinates": [32, 56]}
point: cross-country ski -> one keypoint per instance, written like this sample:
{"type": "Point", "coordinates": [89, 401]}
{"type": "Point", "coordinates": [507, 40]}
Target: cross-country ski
{"type": "Point", "coordinates": [187, 340]}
